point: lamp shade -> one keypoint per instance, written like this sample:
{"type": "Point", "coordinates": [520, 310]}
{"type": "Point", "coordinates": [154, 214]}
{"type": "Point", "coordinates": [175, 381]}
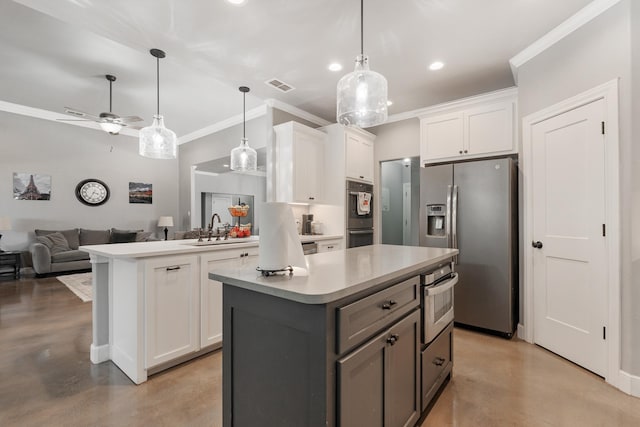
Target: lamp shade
{"type": "Point", "coordinates": [243, 157]}
{"type": "Point", "coordinates": [156, 141]}
{"type": "Point", "coordinates": [362, 96]}
{"type": "Point", "coordinates": [5, 223]}
{"type": "Point", "coordinates": [165, 221]}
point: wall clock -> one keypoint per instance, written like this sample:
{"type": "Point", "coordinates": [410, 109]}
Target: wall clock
{"type": "Point", "coordinates": [92, 192]}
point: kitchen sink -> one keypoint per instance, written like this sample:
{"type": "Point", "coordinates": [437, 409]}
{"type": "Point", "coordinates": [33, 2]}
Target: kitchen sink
{"type": "Point", "coordinates": [230, 240]}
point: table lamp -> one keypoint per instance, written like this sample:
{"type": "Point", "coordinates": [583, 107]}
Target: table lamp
{"type": "Point", "coordinates": [165, 221]}
{"type": "Point", "coordinates": [5, 224]}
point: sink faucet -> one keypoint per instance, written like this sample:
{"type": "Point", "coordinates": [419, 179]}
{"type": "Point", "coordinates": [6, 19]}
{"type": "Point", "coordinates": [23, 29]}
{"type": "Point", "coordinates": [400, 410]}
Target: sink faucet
{"type": "Point", "coordinates": [213, 217]}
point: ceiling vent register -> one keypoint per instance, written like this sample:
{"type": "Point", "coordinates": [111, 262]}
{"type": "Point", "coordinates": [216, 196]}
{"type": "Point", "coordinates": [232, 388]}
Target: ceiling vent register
{"type": "Point", "coordinates": [280, 85]}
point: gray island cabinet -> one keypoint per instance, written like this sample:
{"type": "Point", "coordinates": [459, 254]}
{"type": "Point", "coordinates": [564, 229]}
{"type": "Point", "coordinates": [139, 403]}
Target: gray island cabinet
{"type": "Point", "coordinates": [337, 347]}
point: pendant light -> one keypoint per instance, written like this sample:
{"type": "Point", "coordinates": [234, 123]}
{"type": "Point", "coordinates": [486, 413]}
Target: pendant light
{"type": "Point", "coordinates": [156, 141]}
{"type": "Point", "coordinates": [243, 157]}
{"type": "Point", "coordinates": [362, 94]}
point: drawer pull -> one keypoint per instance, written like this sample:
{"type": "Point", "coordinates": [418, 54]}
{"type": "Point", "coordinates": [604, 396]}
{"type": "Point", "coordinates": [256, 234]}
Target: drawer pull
{"type": "Point", "coordinates": [177, 267]}
{"type": "Point", "coordinates": [393, 339]}
{"type": "Point", "coordinates": [388, 305]}
{"type": "Point", "coordinates": [438, 361]}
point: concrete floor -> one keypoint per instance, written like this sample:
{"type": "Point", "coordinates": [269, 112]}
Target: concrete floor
{"type": "Point", "coordinates": [46, 378]}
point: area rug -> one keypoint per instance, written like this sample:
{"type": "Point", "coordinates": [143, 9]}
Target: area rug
{"type": "Point", "coordinates": [79, 284]}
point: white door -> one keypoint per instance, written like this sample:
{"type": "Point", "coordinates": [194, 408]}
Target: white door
{"type": "Point", "coordinates": [569, 269]}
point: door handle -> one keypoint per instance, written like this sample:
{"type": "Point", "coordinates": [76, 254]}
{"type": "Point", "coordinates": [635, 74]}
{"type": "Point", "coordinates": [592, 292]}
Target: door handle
{"type": "Point", "coordinates": [537, 245]}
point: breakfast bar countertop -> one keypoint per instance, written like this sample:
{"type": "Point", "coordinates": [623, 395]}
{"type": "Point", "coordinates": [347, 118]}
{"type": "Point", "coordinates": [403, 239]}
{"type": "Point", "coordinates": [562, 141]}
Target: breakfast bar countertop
{"type": "Point", "coordinates": [336, 274]}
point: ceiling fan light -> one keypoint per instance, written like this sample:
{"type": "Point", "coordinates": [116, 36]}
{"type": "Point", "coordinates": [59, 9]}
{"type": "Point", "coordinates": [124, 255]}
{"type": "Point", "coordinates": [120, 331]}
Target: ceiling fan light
{"type": "Point", "coordinates": [243, 157]}
{"type": "Point", "coordinates": [362, 96]}
{"type": "Point", "coordinates": [156, 141]}
{"type": "Point", "coordinates": [112, 128]}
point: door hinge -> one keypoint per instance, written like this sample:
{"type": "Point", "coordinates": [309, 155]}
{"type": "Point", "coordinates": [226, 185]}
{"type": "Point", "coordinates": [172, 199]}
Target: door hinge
{"type": "Point", "coordinates": [603, 128]}
{"type": "Point", "coordinates": [604, 230]}
{"type": "Point", "coordinates": [604, 332]}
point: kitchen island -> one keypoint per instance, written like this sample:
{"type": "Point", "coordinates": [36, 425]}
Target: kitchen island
{"type": "Point", "coordinates": [339, 346]}
{"type": "Point", "coordinates": [153, 303]}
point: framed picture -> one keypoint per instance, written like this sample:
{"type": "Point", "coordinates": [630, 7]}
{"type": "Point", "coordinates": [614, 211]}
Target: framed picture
{"type": "Point", "coordinates": [31, 186]}
{"type": "Point", "coordinates": [140, 192]}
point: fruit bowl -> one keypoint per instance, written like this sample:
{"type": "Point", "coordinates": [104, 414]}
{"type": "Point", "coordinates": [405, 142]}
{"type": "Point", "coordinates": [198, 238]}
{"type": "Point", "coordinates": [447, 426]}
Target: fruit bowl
{"type": "Point", "coordinates": [239, 210]}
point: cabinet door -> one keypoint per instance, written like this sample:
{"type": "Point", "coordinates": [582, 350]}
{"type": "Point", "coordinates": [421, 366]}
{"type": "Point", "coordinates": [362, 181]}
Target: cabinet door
{"type": "Point", "coordinates": [171, 307]}
{"type": "Point", "coordinates": [361, 386]}
{"type": "Point", "coordinates": [402, 386]}
{"type": "Point", "coordinates": [441, 137]}
{"type": "Point", "coordinates": [359, 157]}
{"type": "Point", "coordinates": [329, 245]}
{"type": "Point", "coordinates": [308, 165]}
{"type": "Point", "coordinates": [489, 129]}
{"type": "Point", "coordinates": [211, 293]}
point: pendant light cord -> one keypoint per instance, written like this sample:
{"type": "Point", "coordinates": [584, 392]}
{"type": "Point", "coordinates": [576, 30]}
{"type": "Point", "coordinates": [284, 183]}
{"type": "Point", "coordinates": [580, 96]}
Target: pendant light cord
{"type": "Point", "coordinates": [362, 27]}
{"type": "Point", "coordinates": [244, 112]}
{"type": "Point", "coordinates": [158, 86]}
{"type": "Point", "coordinates": [110, 96]}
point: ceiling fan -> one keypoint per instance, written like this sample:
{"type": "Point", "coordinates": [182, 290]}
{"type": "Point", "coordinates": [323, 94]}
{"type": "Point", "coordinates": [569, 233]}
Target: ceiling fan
{"type": "Point", "coordinates": [109, 122]}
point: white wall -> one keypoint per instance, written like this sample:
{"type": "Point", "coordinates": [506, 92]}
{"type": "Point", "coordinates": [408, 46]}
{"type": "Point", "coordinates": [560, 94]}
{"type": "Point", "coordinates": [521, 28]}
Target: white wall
{"type": "Point", "coordinates": [594, 54]}
{"type": "Point", "coordinates": [70, 154]}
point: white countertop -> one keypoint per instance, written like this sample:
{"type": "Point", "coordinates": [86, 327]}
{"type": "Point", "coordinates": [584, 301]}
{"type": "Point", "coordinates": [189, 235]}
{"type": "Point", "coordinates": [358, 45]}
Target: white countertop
{"type": "Point", "coordinates": [179, 247]}
{"type": "Point", "coordinates": [336, 274]}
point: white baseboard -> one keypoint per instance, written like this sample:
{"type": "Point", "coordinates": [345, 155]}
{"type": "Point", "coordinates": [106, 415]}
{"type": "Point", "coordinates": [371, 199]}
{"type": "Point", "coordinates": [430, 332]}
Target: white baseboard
{"type": "Point", "coordinates": [629, 384]}
{"type": "Point", "coordinates": [99, 354]}
{"type": "Point", "coordinates": [520, 331]}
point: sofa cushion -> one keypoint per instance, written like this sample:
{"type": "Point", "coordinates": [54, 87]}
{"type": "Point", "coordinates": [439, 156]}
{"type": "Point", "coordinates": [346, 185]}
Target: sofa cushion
{"type": "Point", "coordinates": [67, 256]}
{"type": "Point", "coordinates": [126, 237]}
{"type": "Point", "coordinates": [94, 237]}
{"type": "Point", "coordinates": [56, 242]}
{"type": "Point", "coordinates": [71, 236]}
{"type": "Point", "coordinates": [143, 236]}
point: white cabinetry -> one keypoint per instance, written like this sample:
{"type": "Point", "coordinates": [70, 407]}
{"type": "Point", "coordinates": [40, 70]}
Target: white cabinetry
{"type": "Point", "coordinates": [359, 156]}
{"type": "Point", "coordinates": [171, 307]}
{"type": "Point", "coordinates": [211, 293]}
{"type": "Point", "coordinates": [299, 163]}
{"type": "Point", "coordinates": [329, 245]}
{"type": "Point", "coordinates": [479, 127]}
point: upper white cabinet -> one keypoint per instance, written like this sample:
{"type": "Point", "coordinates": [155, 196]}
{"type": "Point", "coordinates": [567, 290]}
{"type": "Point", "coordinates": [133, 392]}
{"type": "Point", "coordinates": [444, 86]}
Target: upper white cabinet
{"type": "Point", "coordinates": [359, 156]}
{"type": "Point", "coordinates": [299, 163]}
{"type": "Point", "coordinates": [478, 127]}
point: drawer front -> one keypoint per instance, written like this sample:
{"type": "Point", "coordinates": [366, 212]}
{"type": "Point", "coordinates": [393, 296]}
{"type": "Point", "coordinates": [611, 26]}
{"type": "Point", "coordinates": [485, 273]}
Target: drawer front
{"type": "Point", "coordinates": [363, 318]}
{"type": "Point", "coordinates": [437, 362]}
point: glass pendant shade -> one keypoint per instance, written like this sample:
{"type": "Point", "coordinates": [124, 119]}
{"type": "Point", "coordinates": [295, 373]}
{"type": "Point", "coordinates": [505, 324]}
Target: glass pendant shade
{"type": "Point", "coordinates": [362, 96]}
{"type": "Point", "coordinates": [243, 157]}
{"type": "Point", "coordinates": [112, 128]}
{"type": "Point", "coordinates": [156, 141]}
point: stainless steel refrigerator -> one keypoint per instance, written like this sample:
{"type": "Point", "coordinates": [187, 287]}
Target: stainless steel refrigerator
{"type": "Point", "coordinates": [473, 206]}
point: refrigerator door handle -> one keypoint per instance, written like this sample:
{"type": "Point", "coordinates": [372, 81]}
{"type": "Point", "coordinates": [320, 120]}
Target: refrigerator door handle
{"type": "Point", "coordinates": [454, 221]}
{"type": "Point", "coordinates": [448, 218]}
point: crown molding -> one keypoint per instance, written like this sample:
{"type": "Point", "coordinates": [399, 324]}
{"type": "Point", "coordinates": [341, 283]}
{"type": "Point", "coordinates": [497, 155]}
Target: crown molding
{"type": "Point", "coordinates": [52, 116]}
{"type": "Point", "coordinates": [582, 17]}
{"type": "Point", "coordinates": [254, 113]}
{"type": "Point", "coordinates": [274, 103]}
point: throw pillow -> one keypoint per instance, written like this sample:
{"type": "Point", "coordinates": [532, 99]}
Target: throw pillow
{"type": "Point", "coordinates": [71, 235]}
{"type": "Point", "coordinates": [56, 242]}
{"type": "Point", "coordinates": [142, 236]}
{"type": "Point", "coordinates": [123, 237]}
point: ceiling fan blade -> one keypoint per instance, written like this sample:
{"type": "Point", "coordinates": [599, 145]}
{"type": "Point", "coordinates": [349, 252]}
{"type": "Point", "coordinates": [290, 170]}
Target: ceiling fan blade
{"type": "Point", "coordinates": [137, 127]}
{"type": "Point", "coordinates": [82, 114]}
{"type": "Point", "coordinates": [129, 119]}
{"type": "Point", "coordinates": [74, 120]}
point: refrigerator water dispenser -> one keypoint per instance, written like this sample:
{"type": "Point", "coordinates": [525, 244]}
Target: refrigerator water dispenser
{"type": "Point", "coordinates": [436, 218]}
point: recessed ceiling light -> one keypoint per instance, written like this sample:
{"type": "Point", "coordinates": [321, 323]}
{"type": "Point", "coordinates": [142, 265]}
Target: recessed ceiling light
{"type": "Point", "coordinates": [436, 66]}
{"type": "Point", "coordinates": [236, 2]}
{"type": "Point", "coordinates": [389, 103]}
{"type": "Point", "coordinates": [225, 166]}
{"type": "Point", "coordinates": [407, 160]}
{"type": "Point", "coordinates": [335, 66]}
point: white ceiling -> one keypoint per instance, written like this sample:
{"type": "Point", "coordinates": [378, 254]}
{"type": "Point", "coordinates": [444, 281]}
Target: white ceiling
{"type": "Point", "coordinates": [56, 53]}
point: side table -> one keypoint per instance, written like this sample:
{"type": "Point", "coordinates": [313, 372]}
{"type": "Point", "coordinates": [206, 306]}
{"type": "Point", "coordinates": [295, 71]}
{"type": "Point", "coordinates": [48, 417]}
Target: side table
{"type": "Point", "coordinates": [10, 264]}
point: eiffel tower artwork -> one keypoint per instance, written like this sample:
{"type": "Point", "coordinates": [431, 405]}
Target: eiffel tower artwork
{"type": "Point", "coordinates": [28, 186]}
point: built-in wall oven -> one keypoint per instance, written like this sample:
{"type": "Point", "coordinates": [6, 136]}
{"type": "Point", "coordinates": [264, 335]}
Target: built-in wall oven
{"type": "Point", "coordinates": [359, 222]}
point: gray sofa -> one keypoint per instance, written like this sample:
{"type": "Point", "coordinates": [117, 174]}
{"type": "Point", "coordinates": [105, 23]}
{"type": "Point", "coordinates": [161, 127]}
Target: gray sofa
{"type": "Point", "coordinates": [56, 251]}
